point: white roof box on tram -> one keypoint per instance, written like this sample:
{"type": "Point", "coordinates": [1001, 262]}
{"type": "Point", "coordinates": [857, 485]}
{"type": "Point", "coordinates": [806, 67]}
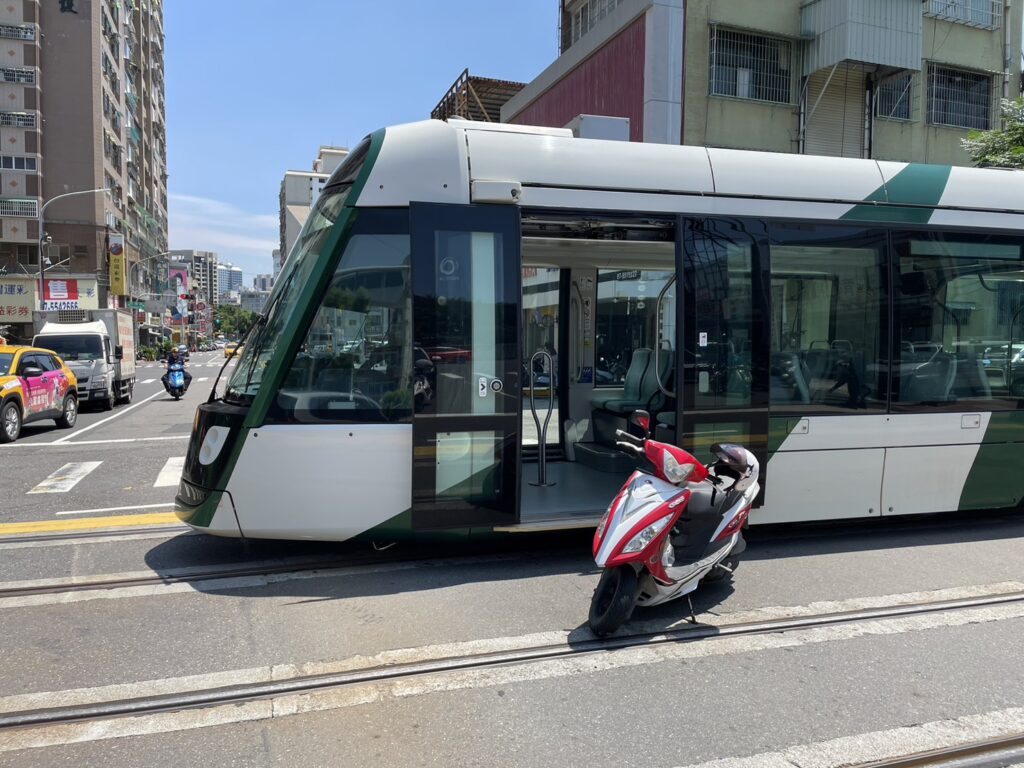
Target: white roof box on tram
{"type": "Point", "coordinates": [536, 130]}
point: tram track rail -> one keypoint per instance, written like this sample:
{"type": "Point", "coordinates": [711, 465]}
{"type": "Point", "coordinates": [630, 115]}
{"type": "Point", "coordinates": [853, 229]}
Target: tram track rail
{"type": "Point", "coordinates": [988, 753]}
{"type": "Point", "coordinates": [300, 684]}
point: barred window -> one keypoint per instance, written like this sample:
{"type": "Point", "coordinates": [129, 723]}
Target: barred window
{"type": "Point", "coordinates": [588, 13]}
{"type": "Point", "coordinates": [27, 209]}
{"type": "Point", "coordinates": [975, 13]}
{"type": "Point", "coordinates": [18, 75]}
{"type": "Point", "coordinates": [959, 98]}
{"type": "Point", "coordinates": [892, 100]}
{"type": "Point", "coordinates": [750, 66]}
{"type": "Point", "coordinates": [18, 119]}
{"type": "Point", "coordinates": [18, 32]}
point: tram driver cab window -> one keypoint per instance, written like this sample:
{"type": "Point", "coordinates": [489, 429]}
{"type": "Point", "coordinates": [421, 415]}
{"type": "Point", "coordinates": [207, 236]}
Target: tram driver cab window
{"type": "Point", "coordinates": [356, 363]}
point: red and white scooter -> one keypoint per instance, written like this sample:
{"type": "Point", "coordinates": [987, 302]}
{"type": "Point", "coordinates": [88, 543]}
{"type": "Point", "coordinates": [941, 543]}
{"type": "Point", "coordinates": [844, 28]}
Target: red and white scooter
{"type": "Point", "coordinates": [674, 523]}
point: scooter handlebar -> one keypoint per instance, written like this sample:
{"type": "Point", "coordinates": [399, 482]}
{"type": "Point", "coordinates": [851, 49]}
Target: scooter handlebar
{"type": "Point", "coordinates": [631, 447]}
{"type": "Point", "coordinates": [631, 439]}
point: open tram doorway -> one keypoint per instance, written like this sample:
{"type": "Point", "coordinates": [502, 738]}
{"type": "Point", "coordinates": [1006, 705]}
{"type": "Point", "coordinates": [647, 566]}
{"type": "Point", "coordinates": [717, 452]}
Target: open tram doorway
{"type": "Point", "coordinates": [598, 342]}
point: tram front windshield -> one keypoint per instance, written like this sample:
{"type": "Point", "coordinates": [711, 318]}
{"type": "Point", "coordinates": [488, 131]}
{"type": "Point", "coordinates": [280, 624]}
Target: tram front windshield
{"type": "Point", "coordinates": [245, 382]}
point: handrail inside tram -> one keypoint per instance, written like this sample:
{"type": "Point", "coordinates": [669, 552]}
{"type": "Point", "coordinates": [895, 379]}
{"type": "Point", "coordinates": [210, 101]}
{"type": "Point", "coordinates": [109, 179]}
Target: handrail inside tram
{"type": "Point", "coordinates": [657, 344]}
{"type": "Point", "coordinates": [542, 439]}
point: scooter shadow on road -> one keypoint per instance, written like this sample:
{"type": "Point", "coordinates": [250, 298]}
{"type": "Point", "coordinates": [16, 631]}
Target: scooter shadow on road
{"type": "Point", "coordinates": [673, 615]}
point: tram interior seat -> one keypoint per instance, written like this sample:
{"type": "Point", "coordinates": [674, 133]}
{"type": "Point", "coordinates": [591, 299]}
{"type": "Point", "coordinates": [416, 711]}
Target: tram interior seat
{"type": "Point", "coordinates": [788, 382]}
{"type": "Point", "coordinates": [971, 381]}
{"type": "Point", "coordinates": [931, 381]}
{"type": "Point", "coordinates": [631, 385]}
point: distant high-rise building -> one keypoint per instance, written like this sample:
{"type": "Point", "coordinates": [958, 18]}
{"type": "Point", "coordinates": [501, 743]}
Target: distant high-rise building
{"type": "Point", "coordinates": [203, 271]}
{"type": "Point", "coordinates": [229, 280]}
{"type": "Point", "coordinates": [263, 283]}
{"type": "Point", "coordinates": [299, 190]}
{"type": "Point", "coordinates": [275, 257]}
{"type": "Point", "coordinates": [82, 108]}
{"type": "Point", "coordinates": [254, 301]}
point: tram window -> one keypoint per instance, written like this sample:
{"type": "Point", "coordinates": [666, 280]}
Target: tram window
{"type": "Point", "coordinates": [719, 361]}
{"type": "Point", "coordinates": [960, 322]}
{"type": "Point", "coordinates": [626, 321]}
{"type": "Point", "coordinates": [829, 319]}
{"type": "Point", "coordinates": [356, 361]}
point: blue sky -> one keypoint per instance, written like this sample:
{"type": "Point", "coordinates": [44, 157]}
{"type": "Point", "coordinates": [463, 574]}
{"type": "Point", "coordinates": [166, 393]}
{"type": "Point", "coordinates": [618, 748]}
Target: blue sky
{"type": "Point", "coordinates": [251, 94]}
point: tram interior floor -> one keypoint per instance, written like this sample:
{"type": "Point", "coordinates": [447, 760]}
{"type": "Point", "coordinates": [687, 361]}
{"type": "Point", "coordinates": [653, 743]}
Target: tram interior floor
{"type": "Point", "coordinates": [577, 490]}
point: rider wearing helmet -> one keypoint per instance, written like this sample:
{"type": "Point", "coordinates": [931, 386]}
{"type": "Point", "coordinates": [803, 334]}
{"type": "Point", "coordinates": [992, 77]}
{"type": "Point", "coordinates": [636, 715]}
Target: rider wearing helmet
{"type": "Point", "coordinates": [174, 358]}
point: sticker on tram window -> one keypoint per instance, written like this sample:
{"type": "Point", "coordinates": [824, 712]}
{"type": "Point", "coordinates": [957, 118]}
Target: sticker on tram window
{"type": "Point", "coordinates": [587, 375]}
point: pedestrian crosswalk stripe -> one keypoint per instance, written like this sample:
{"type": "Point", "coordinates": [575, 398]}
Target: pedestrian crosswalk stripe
{"type": "Point", "coordinates": [66, 478]}
{"type": "Point", "coordinates": [171, 473]}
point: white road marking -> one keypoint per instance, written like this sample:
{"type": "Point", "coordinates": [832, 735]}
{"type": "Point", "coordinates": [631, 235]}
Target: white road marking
{"type": "Point", "coordinates": [885, 745]}
{"type": "Point", "coordinates": [165, 505]}
{"type": "Point", "coordinates": [900, 741]}
{"type": "Point", "coordinates": [204, 378]}
{"type": "Point", "coordinates": [97, 442]}
{"type": "Point", "coordinates": [122, 412]}
{"type": "Point", "coordinates": [171, 473]}
{"type": "Point", "coordinates": [147, 381]}
{"type": "Point", "coordinates": [66, 478]}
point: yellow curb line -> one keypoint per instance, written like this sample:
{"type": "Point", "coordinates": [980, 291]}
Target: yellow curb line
{"type": "Point", "coordinates": [86, 523]}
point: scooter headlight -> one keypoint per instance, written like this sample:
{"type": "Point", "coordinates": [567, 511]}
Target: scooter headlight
{"type": "Point", "coordinates": [604, 520]}
{"type": "Point", "coordinates": [646, 536]}
{"type": "Point", "coordinates": [675, 472]}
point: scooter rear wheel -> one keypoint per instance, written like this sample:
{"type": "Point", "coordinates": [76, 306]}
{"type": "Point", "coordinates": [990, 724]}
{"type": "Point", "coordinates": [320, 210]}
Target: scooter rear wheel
{"type": "Point", "coordinates": [613, 600]}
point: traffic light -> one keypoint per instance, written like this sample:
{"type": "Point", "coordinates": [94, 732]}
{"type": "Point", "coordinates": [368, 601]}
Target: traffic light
{"type": "Point", "coordinates": [183, 296]}
{"type": "Point", "coordinates": [216, 322]}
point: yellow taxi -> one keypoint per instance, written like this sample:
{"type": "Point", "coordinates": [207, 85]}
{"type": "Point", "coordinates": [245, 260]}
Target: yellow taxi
{"type": "Point", "coordinates": [233, 349]}
{"type": "Point", "coordinates": [34, 385]}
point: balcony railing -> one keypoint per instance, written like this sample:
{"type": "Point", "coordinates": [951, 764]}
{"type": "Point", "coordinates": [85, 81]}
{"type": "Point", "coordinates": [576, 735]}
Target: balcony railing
{"type": "Point", "coordinates": [19, 207]}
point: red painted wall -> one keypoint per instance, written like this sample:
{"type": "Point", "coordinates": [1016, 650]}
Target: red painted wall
{"type": "Point", "coordinates": [610, 82]}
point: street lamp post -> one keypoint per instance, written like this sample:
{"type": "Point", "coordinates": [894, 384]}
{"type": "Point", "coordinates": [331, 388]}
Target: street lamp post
{"type": "Point", "coordinates": [42, 236]}
{"type": "Point", "coordinates": [131, 283]}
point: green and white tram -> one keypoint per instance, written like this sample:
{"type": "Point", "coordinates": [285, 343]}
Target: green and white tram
{"type": "Point", "coordinates": [858, 324]}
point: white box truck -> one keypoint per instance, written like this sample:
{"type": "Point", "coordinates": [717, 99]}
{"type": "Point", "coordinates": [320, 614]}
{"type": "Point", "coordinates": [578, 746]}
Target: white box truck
{"type": "Point", "coordinates": [98, 345]}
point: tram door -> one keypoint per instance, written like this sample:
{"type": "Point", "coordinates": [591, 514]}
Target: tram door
{"type": "Point", "coordinates": [466, 307]}
{"type": "Point", "coordinates": [723, 367]}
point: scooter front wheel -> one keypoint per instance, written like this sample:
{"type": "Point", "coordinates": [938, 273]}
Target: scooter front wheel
{"type": "Point", "coordinates": [613, 600]}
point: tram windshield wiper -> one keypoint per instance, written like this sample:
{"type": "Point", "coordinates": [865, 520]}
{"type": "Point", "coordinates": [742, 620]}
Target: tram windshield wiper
{"type": "Point", "coordinates": [213, 392]}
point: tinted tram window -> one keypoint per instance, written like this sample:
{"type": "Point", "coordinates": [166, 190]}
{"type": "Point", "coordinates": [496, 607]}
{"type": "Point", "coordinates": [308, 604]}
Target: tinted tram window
{"type": "Point", "coordinates": [719, 312]}
{"type": "Point", "coordinates": [829, 319]}
{"type": "Point", "coordinates": [356, 363]}
{"type": "Point", "coordinates": [960, 322]}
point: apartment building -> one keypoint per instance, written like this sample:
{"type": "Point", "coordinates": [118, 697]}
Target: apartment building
{"type": "Point", "coordinates": [82, 92]}
{"type": "Point", "coordinates": [299, 190]}
{"type": "Point", "coordinates": [889, 79]}
{"type": "Point", "coordinates": [229, 282]}
{"type": "Point", "coordinates": [202, 266]}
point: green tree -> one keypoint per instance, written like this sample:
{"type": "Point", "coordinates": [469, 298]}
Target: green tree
{"type": "Point", "coordinates": [1000, 148]}
{"type": "Point", "coordinates": [235, 322]}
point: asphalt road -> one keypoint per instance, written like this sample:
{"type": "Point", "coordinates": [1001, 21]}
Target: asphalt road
{"type": "Point", "coordinates": [125, 456]}
{"type": "Point", "coordinates": [832, 696]}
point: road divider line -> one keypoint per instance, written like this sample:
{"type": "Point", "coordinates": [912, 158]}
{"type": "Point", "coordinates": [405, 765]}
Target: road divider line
{"type": "Point", "coordinates": [87, 523]}
{"type": "Point", "coordinates": [204, 378]}
{"type": "Point", "coordinates": [65, 440]}
{"type": "Point", "coordinates": [170, 475]}
{"type": "Point", "coordinates": [164, 505]}
{"type": "Point", "coordinates": [67, 477]}
{"type": "Point", "coordinates": [147, 381]}
{"type": "Point", "coordinates": [15, 446]}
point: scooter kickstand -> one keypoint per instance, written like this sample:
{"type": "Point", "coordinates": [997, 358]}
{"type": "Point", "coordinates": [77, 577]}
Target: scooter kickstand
{"type": "Point", "coordinates": [693, 613]}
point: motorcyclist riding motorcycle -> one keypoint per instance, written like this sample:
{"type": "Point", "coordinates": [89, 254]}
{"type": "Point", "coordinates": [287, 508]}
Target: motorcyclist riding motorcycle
{"type": "Point", "coordinates": [173, 358]}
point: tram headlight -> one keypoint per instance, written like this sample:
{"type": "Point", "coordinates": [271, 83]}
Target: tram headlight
{"type": "Point", "coordinates": [646, 536]}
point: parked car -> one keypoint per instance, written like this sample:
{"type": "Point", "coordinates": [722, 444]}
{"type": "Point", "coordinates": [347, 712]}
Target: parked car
{"type": "Point", "coordinates": [35, 385]}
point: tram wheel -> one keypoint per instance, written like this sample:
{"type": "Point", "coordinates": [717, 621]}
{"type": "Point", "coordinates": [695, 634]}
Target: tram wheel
{"type": "Point", "coordinates": [613, 600]}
